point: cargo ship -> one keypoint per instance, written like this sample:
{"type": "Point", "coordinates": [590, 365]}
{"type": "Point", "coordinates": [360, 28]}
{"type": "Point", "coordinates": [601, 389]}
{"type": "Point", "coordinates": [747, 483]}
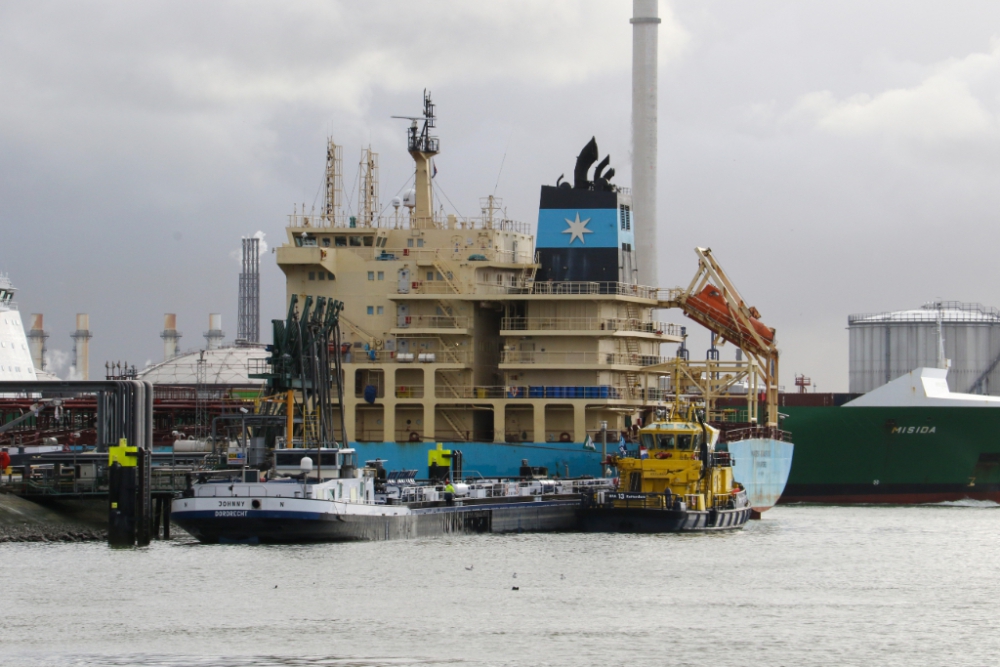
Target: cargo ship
{"type": "Point", "coordinates": [911, 440]}
{"type": "Point", "coordinates": [476, 335]}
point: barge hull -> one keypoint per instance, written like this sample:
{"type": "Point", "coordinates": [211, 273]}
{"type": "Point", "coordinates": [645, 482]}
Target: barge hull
{"type": "Point", "coordinates": [632, 520]}
{"type": "Point", "coordinates": [253, 526]}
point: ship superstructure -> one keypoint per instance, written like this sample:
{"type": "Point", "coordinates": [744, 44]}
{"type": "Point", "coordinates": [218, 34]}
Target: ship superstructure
{"type": "Point", "coordinates": [15, 355]}
{"type": "Point", "coordinates": [460, 330]}
{"type": "Point", "coordinates": [475, 334]}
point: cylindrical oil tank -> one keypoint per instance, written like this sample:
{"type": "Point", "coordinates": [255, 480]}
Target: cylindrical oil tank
{"type": "Point", "coordinates": [884, 346]}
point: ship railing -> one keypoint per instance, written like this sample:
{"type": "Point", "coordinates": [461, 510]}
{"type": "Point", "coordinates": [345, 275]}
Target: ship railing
{"type": "Point", "coordinates": [340, 220]}
{"type": "Point", "coordinates": [409, 391]}
{"type": "Point", "coordinates": [757, 431]}
{"type": "Point", "coordinates": [514, 392]}
{"type": "Point", "coordinates": [580, 358]}
{"type": "Point", "coordinates": [588, 324]}
{"type": "Point", "coordinates": [361, 356]}
{"type": "Point", "coordinates": [639, 500]}
{"type": "Point", "coordinates": [598, 288]}
{"type": "Point", "coordinates": [435, 322]}
{"type": "Point", "coordinates": [442, 287]}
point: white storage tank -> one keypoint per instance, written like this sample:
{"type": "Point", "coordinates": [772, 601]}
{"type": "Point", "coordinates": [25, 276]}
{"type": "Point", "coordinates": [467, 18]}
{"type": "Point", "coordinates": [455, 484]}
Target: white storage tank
{"type": "Point", "coordinates": [885, 346]}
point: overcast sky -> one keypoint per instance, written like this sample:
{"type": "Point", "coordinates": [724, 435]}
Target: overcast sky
{"type": "Point", "coordinates": [838, 157]}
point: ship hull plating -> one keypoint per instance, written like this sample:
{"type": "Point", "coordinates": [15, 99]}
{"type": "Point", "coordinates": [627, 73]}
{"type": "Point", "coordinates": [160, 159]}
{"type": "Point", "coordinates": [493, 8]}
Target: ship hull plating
{"type": "Point", "coordinates": [258, 526]}
{"type": "Point", "coordinates": [762, 466]}
{"type": "Point", "coordinates": [633, 520]}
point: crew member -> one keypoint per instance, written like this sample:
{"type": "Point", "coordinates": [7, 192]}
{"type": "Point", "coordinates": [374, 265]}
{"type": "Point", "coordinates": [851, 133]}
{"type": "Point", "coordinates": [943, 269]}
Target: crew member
{"type": "Point", "coordinates": [449, 492]}
{"type": "Point", "coordinates": [4, 461]}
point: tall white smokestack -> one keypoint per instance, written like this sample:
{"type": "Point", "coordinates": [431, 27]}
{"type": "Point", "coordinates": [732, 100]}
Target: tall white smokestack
{"type": "Point", "coordinates": [215, 334]}
{"type": "Point", "coordinates": [36, 341]}
{"type": "Point", "coordinates": [171, 337]}
{"type": "Point", "coordinates": [81, 349]}
{"type": "Point", "coordinates": [645, 26]}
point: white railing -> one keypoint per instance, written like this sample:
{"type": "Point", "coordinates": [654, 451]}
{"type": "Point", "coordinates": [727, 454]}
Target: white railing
{"type": "Point", "coordinates": [588, 324]}
{"type": "Point", "coordinates": [580, 358]}
{"type": "Point", "coordinates": [435, 322]}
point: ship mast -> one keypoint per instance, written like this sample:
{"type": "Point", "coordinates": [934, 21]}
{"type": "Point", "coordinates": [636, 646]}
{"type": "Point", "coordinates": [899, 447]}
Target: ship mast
{"type": "Point", "coordinates": [423, 147]}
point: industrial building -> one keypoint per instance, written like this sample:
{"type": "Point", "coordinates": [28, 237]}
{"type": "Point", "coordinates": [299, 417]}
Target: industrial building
{"type": "Point", "coordinates": [962, 336]}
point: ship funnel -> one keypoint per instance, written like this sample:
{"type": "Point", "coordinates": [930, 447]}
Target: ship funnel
{"type": "Point", "coordinates": [81, 348]}
{"type": "Point", "coordinates": [171, 337]}
{"type": "Point", "coordinates": [645, 26]}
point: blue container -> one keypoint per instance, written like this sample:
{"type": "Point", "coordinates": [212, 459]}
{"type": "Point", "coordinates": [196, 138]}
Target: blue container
{"type": "Point", "coordinates": [570, 392]}
{"type": "Point", "coordinates": [604, 391]}
{"type": "Point", "coordinates": [536, 392]}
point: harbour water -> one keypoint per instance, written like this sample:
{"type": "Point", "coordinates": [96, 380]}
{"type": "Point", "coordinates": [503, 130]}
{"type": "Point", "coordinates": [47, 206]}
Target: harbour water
{"type": "Point", "coordinates": [806, 586]}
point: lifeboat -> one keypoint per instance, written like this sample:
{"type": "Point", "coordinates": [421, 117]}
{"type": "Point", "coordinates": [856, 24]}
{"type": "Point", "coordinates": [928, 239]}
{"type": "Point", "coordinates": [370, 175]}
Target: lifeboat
{"type": "Point", "coordinates": [709, 307]}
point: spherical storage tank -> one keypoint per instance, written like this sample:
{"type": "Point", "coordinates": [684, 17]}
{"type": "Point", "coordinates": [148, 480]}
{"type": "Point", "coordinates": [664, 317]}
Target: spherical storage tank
{"type": "Point", "coordinates": [884, 346]}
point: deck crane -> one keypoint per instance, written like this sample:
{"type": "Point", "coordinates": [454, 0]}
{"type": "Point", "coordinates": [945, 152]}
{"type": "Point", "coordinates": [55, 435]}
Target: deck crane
{"type": "Point", "coordinates": [714, 302]}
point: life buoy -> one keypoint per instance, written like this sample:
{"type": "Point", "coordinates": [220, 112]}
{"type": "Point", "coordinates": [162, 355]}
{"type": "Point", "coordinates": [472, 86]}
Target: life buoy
{"type": "Point", "coordinates": [414, 436]}
{"type": "Point", "coordinates": [564, 437]}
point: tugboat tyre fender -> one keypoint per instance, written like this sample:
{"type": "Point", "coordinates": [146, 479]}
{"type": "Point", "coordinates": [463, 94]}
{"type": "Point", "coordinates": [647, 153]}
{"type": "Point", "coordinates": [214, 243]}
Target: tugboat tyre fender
{"type": "Point", "coordinates": [414, 436]}
{"type": "Point", "coordinates": [564, 437]}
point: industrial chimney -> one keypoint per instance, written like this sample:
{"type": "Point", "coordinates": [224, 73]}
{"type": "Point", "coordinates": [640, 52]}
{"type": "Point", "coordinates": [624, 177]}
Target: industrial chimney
{"type": "Point", "coordinates": [81, 348]}
{"type": "Point", "coordinates": [645, 26]}
{"type": "Point", "coordinates": [36, 341]}
{"type": "Point", "coordinates": [215, 334]}
{"type": "Point", "coordinates": [171, 337]}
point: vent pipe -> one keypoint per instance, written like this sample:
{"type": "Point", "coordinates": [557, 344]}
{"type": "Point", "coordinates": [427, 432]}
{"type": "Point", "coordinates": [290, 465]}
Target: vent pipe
{"type": "Point", "coordinates": [81, 348]}
{"type": "Point", "coordinates": [214, 335]}
{"type": "Point", "coordinates": [36, 341]}
{"type": "Point", "coordinates": [171, 337]}
{"type": "Point", "coordinates": [645, 26]}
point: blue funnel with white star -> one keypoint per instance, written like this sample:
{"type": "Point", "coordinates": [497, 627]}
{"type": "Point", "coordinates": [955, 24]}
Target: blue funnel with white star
{"type": "Point", "coordinates": [585, 235]}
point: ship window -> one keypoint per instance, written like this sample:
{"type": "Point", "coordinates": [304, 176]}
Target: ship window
{"type": "Point", "coordinates": [322, 275]}
{"type": "Point", "coordinates": [684, 441]}
{"type": "Point", "coordinates": [371, 310]}
{"type": "Point", "coordinates": [326, 241]}
{"type": "Point", "coordinates": [665, 440]}
{"type": "Point", "coordinates": [430, 275]}
{"type": "Point", "coordinates": [409, 243]}
{"type": "Point", "coordinates": [329, 276]}
{"type": "Point", "coordinates": [312, 275]}
{"type": "Point", "coordinates": [371, 275]}
{"type": "Point", "coordinates": [381, 275]}
{"type": "Point", "coordinates": [340, 241]}
{"type": "Point", "coordinates": [367, 240]}
{"type": "Point", "coordinates": [647, 440]}
{"type": "Point", "coordinates": [380, 310]}
{"type": "Point", "coordinates": [697, 440]}
{"type": "Point", "coordinates": [439, 277]}
{"type": "Point", "coordinates": [355, 241]}
{"type": "Point", "coordinates": [420, 243]}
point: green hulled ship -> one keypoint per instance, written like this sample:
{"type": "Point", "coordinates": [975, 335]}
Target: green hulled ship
{"type": "Point", "coordinates": [909, 441]}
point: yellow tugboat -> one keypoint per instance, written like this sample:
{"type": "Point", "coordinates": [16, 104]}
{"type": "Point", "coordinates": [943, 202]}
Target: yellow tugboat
{"type": "Point", "coordinates": [676, 481]}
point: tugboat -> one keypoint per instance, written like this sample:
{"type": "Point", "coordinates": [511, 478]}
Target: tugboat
{"type": "Point", "coordinates": [676, 481]}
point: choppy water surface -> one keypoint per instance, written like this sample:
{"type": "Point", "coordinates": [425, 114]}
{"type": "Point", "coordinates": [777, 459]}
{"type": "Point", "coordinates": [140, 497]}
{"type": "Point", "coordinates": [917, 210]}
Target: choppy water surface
{"type": "Point", "coordinates": [805, 586]}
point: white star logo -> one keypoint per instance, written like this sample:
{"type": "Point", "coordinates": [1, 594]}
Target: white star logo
{"type": "Point", "coordinates": [577, 228]}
